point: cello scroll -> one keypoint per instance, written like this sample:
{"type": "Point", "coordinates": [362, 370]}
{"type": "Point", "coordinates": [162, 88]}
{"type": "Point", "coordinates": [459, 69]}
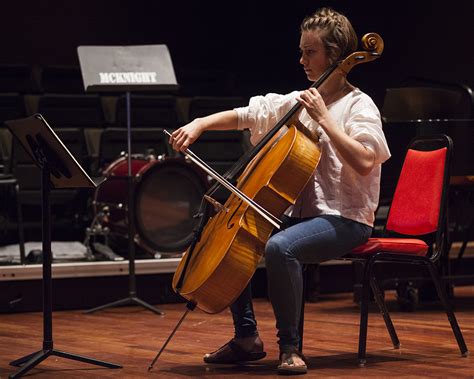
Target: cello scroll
{"type": "Point", "coordinates": [373, 47]}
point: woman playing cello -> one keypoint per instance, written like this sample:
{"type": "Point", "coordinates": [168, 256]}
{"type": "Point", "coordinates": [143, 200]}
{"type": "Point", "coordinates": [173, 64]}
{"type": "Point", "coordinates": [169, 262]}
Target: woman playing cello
{"type": "Point", "coordinates": [335, 211]}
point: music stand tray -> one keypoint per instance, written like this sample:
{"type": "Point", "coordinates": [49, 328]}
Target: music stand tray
{"type": "Point", "coordinates": [59, 170]}
{"type": "Point", "coordinates": [127, 69]}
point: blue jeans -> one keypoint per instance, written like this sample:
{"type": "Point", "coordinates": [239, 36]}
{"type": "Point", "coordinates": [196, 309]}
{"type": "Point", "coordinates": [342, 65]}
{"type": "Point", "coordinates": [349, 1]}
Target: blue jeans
{"type": "Point", "coordinates": [312, 240]}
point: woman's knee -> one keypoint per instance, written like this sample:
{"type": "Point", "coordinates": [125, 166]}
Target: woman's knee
{"type": "Point", "coordinates": [275, 250]}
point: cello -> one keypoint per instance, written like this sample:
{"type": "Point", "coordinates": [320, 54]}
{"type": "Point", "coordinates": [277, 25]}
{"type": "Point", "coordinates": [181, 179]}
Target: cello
{"type": "Point", "coordinates": [229, 245]}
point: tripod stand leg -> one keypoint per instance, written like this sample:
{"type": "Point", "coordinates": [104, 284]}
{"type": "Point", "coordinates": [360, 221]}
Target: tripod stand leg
{"type": "Point", "coordinates": [81, 358]}
{"type": "Point", "coordinates": [147, 306]}
{"type": "Point", "coordinates": [127, 301]}
{"type": "Point", "coordinates": [109, 305]}
{"type": "Point", "coordinates": [26, 358]}
{"type": "Point", "coordinates": [35, 360]}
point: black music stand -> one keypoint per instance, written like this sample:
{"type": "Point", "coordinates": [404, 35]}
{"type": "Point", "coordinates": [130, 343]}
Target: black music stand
{"type": "Point", "coordinates": [126, 69]}
{"type": "Point", "coordinates": [59, 170]}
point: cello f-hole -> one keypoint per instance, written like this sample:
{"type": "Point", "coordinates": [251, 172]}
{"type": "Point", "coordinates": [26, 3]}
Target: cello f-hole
{"type": "Point", "coordinates": [229, 225]}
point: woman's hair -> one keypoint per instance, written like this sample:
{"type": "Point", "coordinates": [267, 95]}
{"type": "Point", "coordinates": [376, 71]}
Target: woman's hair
{"type": "Point", "coordinates": [338, 35]}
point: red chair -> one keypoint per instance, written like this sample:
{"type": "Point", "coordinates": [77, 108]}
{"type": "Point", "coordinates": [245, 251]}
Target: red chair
{"type": "Point", "coordinates": [415, 231]}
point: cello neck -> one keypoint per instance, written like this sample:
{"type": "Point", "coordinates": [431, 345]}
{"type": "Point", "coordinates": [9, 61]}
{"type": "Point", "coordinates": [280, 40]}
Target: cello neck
{"type": "Point", "coordinates": [240, 165]}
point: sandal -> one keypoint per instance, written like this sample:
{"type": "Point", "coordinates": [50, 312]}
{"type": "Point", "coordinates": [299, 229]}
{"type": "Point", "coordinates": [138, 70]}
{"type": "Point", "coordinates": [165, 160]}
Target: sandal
{"type": "Point", "coordinates": [231, 352]}
{"type": "Point", "coordinates": [287, 366]}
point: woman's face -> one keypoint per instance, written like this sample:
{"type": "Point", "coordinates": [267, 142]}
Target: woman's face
{"type": "Point", "coordinates": [313, 54]}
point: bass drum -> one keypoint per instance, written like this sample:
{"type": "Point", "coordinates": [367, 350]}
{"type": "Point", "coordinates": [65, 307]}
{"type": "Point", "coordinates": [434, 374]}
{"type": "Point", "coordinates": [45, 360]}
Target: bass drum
{"type": "Point", "coordinates": [167, 194]}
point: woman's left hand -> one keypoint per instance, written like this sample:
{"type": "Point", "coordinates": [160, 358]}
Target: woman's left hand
{"type": "Point", "coordinates": [314, 104]}
{"type": "Point", "coordinates": [357, 155]}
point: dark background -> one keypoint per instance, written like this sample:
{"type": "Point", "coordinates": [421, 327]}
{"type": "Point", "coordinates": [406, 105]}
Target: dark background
{"type": "Point", "coordinates": [257, 41]}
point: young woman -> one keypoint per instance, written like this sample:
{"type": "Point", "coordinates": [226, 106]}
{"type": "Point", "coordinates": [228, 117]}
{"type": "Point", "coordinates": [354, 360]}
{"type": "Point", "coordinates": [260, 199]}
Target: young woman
{"type": "Point", "coordinates": [335, 211]}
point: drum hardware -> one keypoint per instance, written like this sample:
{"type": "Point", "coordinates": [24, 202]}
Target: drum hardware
{"type": "Point", "coordinates": [106, 252]}
{"type": "Point", "coordinates": [105, 217]}
{"type": "Point", "coordinates": [97, 229]}
{"type": "Point", "coordinates": [156, 254]}
{"type": "Point", "coordinates": [168, 192]}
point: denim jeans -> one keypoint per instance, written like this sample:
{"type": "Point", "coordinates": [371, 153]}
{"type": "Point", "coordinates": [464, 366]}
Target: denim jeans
{"type": "Point", "coordinates": [312, 240]}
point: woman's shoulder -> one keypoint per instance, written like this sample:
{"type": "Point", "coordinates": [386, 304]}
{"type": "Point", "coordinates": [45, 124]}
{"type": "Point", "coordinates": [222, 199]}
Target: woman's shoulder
{"type": "Point", "coordinates": [282, 97]}
{"type": "Point", "coordinates": [358, 99]}
{"type": "Point", "coordinates": [275, 99]}
{"type": "Point", "coordinates": [357, 95]}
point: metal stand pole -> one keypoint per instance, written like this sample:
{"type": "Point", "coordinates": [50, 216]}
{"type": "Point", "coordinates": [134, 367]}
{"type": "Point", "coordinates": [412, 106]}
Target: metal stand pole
{"type": "Point", "coordinates": [132, 291]}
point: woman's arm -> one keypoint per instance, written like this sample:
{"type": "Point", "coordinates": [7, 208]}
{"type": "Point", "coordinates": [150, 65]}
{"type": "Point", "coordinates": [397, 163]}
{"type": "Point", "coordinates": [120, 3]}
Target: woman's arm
{"type": "Point", "coordinates": [183, 137]}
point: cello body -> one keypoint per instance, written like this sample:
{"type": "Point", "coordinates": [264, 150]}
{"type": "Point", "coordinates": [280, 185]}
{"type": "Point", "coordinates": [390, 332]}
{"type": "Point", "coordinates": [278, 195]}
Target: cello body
{"type": "Point", "coordinates": [232, 243]}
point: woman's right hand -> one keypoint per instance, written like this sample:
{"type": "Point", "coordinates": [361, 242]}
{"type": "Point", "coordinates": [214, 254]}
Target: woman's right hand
{"type": "Point", "coordinates": [183, 137]}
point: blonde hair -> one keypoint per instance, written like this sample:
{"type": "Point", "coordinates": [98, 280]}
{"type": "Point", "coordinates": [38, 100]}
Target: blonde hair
{"type": "Point", "coordinates": [338, 35]}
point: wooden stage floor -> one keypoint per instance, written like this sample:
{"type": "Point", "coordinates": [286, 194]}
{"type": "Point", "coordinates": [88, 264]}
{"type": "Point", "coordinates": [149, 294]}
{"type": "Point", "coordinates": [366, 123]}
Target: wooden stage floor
{"type": "Point", "coordinates": [131, 336]}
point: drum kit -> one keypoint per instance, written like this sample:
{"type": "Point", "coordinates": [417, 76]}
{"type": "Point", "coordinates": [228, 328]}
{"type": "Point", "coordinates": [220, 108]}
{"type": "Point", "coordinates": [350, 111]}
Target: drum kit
{"type": "Point", "coordinates": [167, 194]}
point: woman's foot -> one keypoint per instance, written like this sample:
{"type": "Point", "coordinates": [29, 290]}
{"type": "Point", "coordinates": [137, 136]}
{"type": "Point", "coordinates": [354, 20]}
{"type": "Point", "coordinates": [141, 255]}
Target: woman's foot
{"type": "Point", "coordinates": [292, 364]}
{"type": "Point", "coordinates": [238, 350]}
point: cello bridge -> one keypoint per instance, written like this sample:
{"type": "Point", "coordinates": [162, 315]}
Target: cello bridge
{"type": "Point", "coordinates": [217, 206]}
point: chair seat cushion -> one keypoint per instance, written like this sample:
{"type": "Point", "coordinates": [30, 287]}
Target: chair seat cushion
{"type": "Point", "coordinates": [392, 245]}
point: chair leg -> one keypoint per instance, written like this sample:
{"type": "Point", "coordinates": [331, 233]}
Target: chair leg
{"type": "Point", "coordinates": [447, 306]}
{"type": "Point", "coordinates": [383, 309]}
{"type": "Point", "coordinates": [364, 313]}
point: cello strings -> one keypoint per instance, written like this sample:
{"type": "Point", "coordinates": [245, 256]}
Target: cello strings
{"type": "Point", "coordinates": [257, 207]}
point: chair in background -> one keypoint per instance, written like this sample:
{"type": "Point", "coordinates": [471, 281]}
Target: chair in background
{"type": "Point", "coordinates": [422, 99]}
{"type": "Point", "coordinates": [60, 79]}
{"type": "Point", "coordinates": [145, 141]}
{"type": "Point", "coordinates": [148, 111]}
{"type": "Point", "coordinates": [206, 82]}
{"type": "Point", "coordinates": [12, 106]}
{"type": "Point", "coordinates": [69, 111]}
{"type": "Point", "coordinates": [219, 149]}
{"type": "Point", "coordinates": [425, 102]}
{"type": "Point", "coordinates": [200, 106]}
{"type": "Point", "coordinates": [75, 117]}
{"type": "Point", "coordinates": [415, 232]}
{"type": "Point", "coordinates": [10, 210]}
{"type": "Point", "coordinates": [18, 78]}
{"type": "Point", "coordinates": [68, 206]}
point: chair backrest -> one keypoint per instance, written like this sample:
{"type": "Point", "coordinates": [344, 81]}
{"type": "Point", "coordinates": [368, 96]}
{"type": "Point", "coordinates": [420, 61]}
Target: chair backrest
{"type": "Point", "coordinates": [412, 103]}
{"type": "Point", "coordinates": [76, 111]}
{"type": "Point", "coordinates": [144, 141]}
{"type": "Point", "coordinates": [61, 79]}
{"type": "Point", "coordinates": [418, 206]}
{"type": "Point", "coordinates": [153, 111]}
{"type": "Point", "coordinates": [423, 99]}
{"type": "Point", "coordinates": [18, 78]}
{"type": "Point", "coordinates": [200, 106]}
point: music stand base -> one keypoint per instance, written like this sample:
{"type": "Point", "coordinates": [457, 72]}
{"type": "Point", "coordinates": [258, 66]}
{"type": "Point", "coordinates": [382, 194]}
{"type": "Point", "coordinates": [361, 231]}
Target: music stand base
{"type": "Point", "coordinates": [127, 301]}
{"type": "Point", "coordinates": [34, 359]}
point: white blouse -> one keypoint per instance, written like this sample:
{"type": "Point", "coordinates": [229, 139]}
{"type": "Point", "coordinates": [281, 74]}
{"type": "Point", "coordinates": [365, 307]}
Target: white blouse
{"type": "Point", "coordinates": [335, 188]}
